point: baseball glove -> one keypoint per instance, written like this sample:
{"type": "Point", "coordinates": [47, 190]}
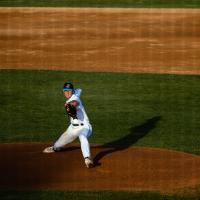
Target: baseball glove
{"type": "Point", "coordinates": [71, 110]}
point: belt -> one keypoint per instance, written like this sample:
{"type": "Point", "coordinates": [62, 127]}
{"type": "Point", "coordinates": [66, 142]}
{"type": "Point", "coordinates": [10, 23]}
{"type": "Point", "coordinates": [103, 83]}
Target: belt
{"type": "Point", "coordinates": [81, 124]}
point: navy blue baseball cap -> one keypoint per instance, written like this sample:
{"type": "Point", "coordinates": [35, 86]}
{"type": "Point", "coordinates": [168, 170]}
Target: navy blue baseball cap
{"type": "Point", "coordinates": [68, 87]}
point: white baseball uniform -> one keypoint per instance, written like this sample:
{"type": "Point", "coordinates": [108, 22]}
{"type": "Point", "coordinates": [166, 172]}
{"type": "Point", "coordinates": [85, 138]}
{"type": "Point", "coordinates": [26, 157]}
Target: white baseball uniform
{"type": "Point", "coordinates": [79, 128]}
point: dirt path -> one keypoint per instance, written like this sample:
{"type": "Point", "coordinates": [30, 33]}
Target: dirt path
{"type": "Point", "coordinates": [23, 166]}
{"type": "Point", "coordinates": [127, 40]}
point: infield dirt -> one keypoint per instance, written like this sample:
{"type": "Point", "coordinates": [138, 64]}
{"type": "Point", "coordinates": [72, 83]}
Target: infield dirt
{"type": "Point", "coordinates": [101, 39]}
{"type": "Point", "coordinates": [134, 169]}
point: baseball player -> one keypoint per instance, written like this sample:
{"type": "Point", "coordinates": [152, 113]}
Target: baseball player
{"type": "Point", "coordinates": [79, 127]}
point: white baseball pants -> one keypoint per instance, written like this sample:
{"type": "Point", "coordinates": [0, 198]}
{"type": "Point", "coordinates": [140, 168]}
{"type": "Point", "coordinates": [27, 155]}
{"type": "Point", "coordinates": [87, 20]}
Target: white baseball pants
{"type": "Point", "coordinates": [73, 132]}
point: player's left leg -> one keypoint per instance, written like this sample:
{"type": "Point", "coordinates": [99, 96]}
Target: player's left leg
{"type": "Point", "coordinates": [85, 146]}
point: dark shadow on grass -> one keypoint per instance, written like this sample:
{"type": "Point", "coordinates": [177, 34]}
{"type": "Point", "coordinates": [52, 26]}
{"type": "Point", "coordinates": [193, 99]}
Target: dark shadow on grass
{"type": "Point", "coordinates": [125, 142]}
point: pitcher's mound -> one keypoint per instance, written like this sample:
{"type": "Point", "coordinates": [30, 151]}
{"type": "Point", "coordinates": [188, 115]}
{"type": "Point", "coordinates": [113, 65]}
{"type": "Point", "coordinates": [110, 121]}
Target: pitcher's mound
{"type": "Point", "coordinates": [24, 166]}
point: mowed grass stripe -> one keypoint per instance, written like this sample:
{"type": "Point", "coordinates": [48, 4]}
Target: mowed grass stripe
{"type": "Point", "coordinates": [159, 110]}
{"type": "Point", "coordinates": [104, 3]}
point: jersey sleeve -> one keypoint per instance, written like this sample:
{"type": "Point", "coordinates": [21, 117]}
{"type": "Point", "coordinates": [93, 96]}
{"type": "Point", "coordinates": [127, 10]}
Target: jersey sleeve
{"type": "Point", "coordinates": [73, 98]}
{"type": "Point", "coordinates": [78, 92]}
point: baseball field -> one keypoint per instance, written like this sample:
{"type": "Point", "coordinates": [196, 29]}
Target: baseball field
{"type": "Point", "coordinates": [138, 64]}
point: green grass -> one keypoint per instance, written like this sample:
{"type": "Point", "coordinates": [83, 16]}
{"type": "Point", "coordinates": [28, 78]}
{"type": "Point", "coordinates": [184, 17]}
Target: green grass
{"type": "Point", "coordinates": [55, 195]}
{"type": "Point", "coordinates": [32, 108]}
{"type": "Point", "coordinates": [105, 3]}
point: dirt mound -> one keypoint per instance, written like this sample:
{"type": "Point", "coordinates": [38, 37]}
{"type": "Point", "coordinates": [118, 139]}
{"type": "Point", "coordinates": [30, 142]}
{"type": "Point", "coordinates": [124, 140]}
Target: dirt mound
{"type": "Point", "coordinates": [91, 39]}
{"type": "Point", "coordinates": [24, 166]}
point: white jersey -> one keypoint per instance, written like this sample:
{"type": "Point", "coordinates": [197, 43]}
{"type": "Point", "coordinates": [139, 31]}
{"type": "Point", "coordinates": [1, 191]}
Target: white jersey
{"type": "Point", "coordinates": [81, 114]}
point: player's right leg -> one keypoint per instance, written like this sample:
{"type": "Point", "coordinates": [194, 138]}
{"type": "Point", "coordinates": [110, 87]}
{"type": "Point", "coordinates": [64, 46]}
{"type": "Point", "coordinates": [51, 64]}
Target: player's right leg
{"type": "Point", "coordinates": [67, 137]}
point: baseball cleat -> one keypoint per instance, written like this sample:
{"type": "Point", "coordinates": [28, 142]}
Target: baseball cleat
{"type": "Point", "coordinates": [88, 162]}
{"type": "Point", "coordinates": [49, 150]}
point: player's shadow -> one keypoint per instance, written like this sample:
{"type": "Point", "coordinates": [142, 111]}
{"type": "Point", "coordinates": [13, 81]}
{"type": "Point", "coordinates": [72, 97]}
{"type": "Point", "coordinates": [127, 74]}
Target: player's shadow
{"type": "Point", "coordinates": [128, 140]}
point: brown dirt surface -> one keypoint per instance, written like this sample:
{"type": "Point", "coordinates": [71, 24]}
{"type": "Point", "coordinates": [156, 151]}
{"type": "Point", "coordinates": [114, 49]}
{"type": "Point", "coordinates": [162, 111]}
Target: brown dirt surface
{"type": "Point", "coordinates": [101, 39]}
{"type": "Point", "coordinates": [24, 166]}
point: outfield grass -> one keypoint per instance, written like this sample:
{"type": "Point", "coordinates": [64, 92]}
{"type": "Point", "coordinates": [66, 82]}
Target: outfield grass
{"type": "Point", "coordinates": [32, 107]}
{"type": "Point", "coordinates": [55, 195]}
{"type": "Point", "coordinates": [105, 3]}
